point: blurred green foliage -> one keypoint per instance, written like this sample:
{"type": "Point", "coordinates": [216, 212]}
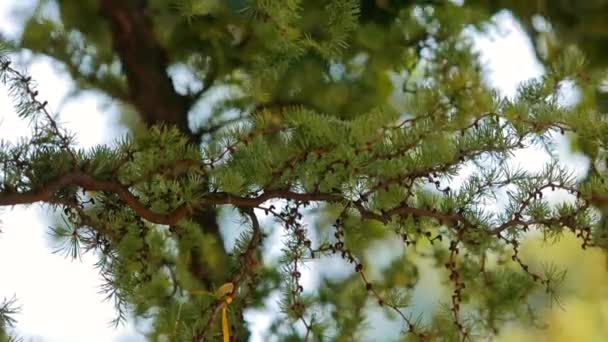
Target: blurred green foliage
{"type": "Point", "coordinates": [310, 86]}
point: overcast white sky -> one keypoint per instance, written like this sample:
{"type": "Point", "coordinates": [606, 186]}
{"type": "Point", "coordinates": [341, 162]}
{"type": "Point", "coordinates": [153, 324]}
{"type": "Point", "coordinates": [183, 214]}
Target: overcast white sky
{"type": "Point", "coordinates": [59, 298]}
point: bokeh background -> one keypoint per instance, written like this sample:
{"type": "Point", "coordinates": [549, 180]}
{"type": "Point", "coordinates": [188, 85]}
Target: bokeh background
{"type": "Point", "coordinates": [76, 311]}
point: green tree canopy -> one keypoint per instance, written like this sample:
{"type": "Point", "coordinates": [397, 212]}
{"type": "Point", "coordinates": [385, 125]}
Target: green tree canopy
{"type": "Point", "coordinates": [346, 122]}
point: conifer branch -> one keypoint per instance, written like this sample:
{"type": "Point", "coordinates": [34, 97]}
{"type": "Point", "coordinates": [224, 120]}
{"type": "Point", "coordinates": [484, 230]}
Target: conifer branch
{"type": "Point", "coordinates": [245, 273]}
{"type": "Point", "coordinates": [302, 146]}
{"type": "Point", "coordinates": [47, 192]}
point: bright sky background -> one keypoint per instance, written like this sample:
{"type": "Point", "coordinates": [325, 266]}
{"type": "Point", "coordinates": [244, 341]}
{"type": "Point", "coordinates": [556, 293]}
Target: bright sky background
{"type": "Point", "coordinates": [59, 298]}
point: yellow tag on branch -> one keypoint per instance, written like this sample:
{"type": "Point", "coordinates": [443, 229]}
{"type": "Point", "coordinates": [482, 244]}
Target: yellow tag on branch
{"type": "Point", "coordinates": [224, 292]}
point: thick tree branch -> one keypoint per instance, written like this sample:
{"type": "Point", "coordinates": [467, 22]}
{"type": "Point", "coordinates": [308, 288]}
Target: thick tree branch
{"type": "Point", "coordinates": [46, 193]}
{"type": "Point", "coordinates": [87, 182]}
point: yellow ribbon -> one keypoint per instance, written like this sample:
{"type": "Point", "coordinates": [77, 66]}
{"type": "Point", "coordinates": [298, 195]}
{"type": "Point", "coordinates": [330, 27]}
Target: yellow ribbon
{"type": "Point", "coordinates": [225, 326]}
{"type": "Point", "coordinates": [223, 292]}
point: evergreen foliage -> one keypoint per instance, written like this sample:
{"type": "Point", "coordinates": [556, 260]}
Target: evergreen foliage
{"type": "Point", "coordinates": [354, 124]}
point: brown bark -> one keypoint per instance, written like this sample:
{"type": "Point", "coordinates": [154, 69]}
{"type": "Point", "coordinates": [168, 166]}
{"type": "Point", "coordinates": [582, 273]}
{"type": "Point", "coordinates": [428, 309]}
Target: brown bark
{"type": "Point", "coordinates": [145, 61]}
{"type": "Point", "coordinates": [87, 182]}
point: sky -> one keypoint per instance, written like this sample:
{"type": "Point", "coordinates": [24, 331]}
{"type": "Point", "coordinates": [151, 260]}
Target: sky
{"type": "Point", "coordinates": [75, 311]}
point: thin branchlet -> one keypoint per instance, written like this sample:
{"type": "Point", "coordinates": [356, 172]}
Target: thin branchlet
{"type": "Point", "coordinates": [392, 170]}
